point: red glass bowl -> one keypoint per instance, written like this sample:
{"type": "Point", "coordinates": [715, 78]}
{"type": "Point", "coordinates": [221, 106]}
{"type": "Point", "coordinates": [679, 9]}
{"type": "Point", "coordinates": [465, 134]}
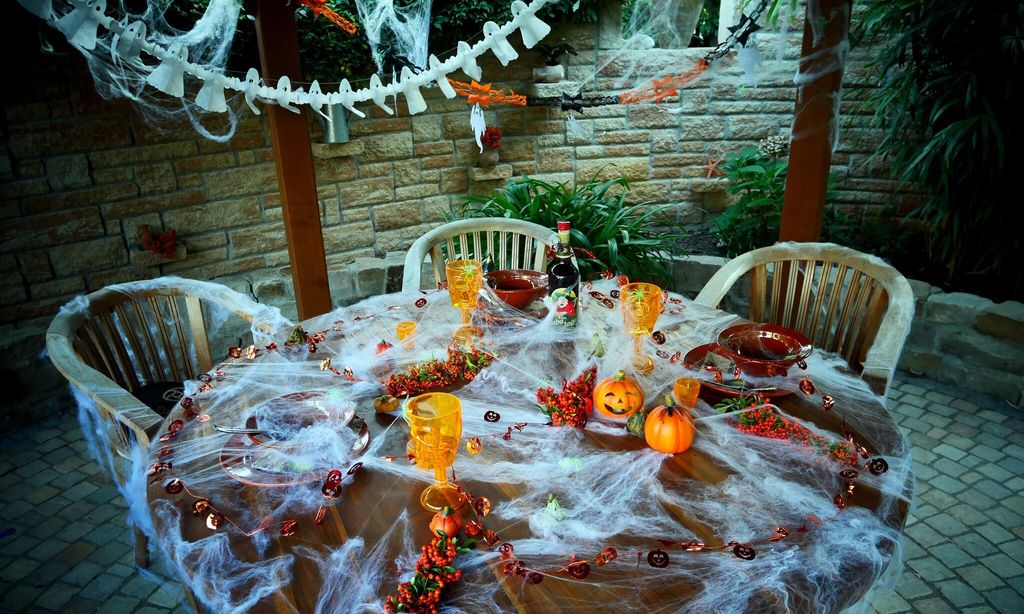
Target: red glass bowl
{"type": "Point", "coordinates": [697, 359]}
{"type": "Point", "coordinates": [518, 287]}
{"type": "Point", "coordinates": [764, 349]}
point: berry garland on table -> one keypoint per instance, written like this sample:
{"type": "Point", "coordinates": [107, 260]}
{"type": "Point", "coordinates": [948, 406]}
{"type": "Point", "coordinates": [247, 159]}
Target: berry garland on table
{"type": "Point", "coordinates": [573, 404]}
{"type": "Point", "coordinates": [434, 571]}
{"type": "Point", "coordinates": [461, 366]}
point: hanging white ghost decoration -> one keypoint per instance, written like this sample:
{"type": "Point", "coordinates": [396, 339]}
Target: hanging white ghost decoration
{"type": "Point", "coordinates": [211, 95]}
{"type": "Point", "coordinates": [315, 98]}
{"type": "Point", "coordinates": [283, 93]}
{"type": "Point", "coordinates": [478, 124]}
{"type": "Point", "coordinates": [128, 44]}
{"type": "Point", "coordinates": [468, 61]}
{"type": "Point", "coordinates": [42, 9]}
{"type": "Point", "coordinates": [346, 98]}
{"type": "Point", "coordinates": [169, 76]}
{"type": "Point", "coordinates": [378, 94]}
{"type": "Point", "coordinates": [413, 97]}
{"type": "Point", "coordinates": [440, 78]}
{"type": "Point", "coordinates": [251, 89]}
{"type": "Point", "coordinates": [577, 128]}
{"type": "Point", "coordinates": [530, 26]}
{"type": "Point", "coordinates": [80, 25]}
{"type": "Point", "coordinates": [749, 59]}
{"type": "Point", "coordinates": [499, 45]}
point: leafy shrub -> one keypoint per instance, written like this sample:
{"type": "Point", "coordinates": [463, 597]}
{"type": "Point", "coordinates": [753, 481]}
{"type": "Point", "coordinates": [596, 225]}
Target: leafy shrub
{"type": "Point", "coordinates": [753, 221]}
{"type": "Point", "coordinates": [631, 239]}
{"type": "Point", "coordinates": [949, 104]}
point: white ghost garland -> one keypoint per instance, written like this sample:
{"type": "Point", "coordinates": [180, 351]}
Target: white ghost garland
{"type": "Point", "coordinates": [478, 124]}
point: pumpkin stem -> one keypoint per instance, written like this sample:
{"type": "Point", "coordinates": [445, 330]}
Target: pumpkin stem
{"type": "Point", "coordinates": [446, 511]}
{"type": "Point", "coordinates": [619, 375]}
{"type": "Point", "coordinates": [670, 404]}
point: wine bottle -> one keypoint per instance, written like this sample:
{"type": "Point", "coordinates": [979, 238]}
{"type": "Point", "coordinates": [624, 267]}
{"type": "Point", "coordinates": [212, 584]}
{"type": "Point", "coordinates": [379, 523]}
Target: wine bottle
{"type": "Point", "coordinates": [564, 281]}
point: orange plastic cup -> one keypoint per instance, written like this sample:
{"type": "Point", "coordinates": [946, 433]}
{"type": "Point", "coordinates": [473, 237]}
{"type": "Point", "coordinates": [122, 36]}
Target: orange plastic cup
{"type": "Point", "coordinates": [686, 390]}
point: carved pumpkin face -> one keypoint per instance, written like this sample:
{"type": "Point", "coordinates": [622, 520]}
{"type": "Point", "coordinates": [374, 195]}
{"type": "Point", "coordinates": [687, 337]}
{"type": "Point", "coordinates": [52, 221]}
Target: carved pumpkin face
{"type": "Point", "coordinates": [618, 397]}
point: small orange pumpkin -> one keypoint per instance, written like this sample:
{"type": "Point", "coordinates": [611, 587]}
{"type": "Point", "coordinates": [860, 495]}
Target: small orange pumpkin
{"type": "Point", "coordinates": [385, 403]}
{"type": "Point", "coordinates": [618, 396]}
{"type": "Point", "coordinates": [447, 521]}
{"type": "Point", "coordinates": [669, 429]}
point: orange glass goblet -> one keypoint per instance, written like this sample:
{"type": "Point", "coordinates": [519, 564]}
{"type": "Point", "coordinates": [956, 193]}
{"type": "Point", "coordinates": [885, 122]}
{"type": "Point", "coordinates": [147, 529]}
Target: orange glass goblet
{"type": "Point", "coordinates": [465, 278]}
{"type": "Point", "coordinates": [435, 425]}
{"type": "Point", "coordinates": [404, 331]}
{"type": "Point", "coordinates": [641, 304]}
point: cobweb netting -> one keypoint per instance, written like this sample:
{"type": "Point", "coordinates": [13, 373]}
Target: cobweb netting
{"type": "Point", "coordinates": [237, 516]}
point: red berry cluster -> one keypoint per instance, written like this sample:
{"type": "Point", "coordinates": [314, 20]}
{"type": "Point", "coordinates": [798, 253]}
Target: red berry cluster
{"type": "Point", "coordinates": [573, 404]}
{"type": "Point", "coordinates": [461, 366]}
{"type": "Point", "coordinates": [158, 242]}
{"type": "Point", "coordinates": [434, 571]}
{"type": "Point", "coordinates": [765, 422]}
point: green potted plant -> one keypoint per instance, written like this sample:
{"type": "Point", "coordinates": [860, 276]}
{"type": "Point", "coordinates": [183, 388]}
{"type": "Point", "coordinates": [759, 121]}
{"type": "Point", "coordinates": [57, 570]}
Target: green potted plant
{"type": "Point", "coordinates": [553, 70]}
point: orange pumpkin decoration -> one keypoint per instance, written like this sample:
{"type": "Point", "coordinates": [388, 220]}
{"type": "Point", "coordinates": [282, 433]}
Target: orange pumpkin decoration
{"type": "Point", "coordinates": [446, 521]}
{"type": "Point", "coordinates": [618, 396]}
{"type": "Point", "coordinates": [668, 428]}
{"type": "Point", "coordinates": [385, 403]}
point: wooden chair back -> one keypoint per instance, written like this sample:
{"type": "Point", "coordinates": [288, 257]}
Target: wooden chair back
{"type": "Point", "coordinates": [512, 244]}
{"type": "Point", "coordinates": [844, 301]}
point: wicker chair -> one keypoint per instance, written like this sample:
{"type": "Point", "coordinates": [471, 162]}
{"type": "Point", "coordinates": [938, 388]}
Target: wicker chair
{"type": "Point", "coordinates": [130, 346]}
{"type": "Point", "coordinates": [512, 244]}
{"type": "Point", "coordinates": [844, 301]}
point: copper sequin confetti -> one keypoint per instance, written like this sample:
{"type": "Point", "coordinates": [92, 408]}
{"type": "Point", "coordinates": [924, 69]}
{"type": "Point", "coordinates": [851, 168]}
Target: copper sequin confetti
{"type": "Point", "coordinates": [662, 354]}
{"type": "Point", "coordinates": [235, 352]}
{"type": "Point", "coordinates": [615, 294]}
{"type": "Point", "coordinates": [325, 364]}
{"type": "Point", "coordinates": [744, 552]}
{"type": "Point", "coordinates": [320, 513]}
{"type": "Point", "coordinates": [507, 550]}
{"type": "Point", "coordinates": [492, 416]}
{"type": "Point", "coordinates": [622, 280]}
{"type": "Point", "coordinates": [482, 506]}
{"type": "Point", "coordinates": [332, 485]}
{"type": "Point", "coordinates": [692, 546]}
{"type": "Point", "coordinates": [598, 295]}
{"type": "Point", "coordinates": [849, 474]}
{"type": "Point", "coordinates": [175, 426]}
{"type": "Point", "coordinates": [674, 358]}
{"type": "Point", "coordinates": [490, 537]}
{"type": "Point", "coordinates": [828, 402]}
{"type": "Point", "coordinates": [203, 418]}
{"type": "Point", "coordinates": [199, 507]}
{"type": "Point", "coordinates": [534, 578]}
{"type": "Point", "coordinates": [802, 364]}
{"type": "Point", "coordinates": [658, 559]}
{"type": "Point", "coordinates": [473, 445]}
{"type": "Point", "coordinates": [214, 520]}
{"type": "Point", "coordinates": [878, 466]}
{"type": "Point", "coordinates": [250, 352]}
{"type": "Point", "coordinates": [658, 337]}
{"type": "Point", "coordinates": [421, 303]}
{"type": "Point", "coordinates": [779, 534]}
{"type": "Point", "coordinates": [807, 387]}
{"type": "Point", "coordinates": [607, 274]}
{"type": "Point", "coordinates": [473, 528]}
{"type": "Point", "coordinates": [579, 569]}
{"type": "Point", "coordinates": [607, 555]}
{"type": "Point", "coordinates": [287, 528]}
{"type": "Point", "coordinates": [839, 501]}
{"type": "Point", "coordinates": [354, 469]}
{"type": "Point", "coordinates": [174, 487]}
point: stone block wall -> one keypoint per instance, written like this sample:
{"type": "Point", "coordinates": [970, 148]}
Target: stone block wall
{"type": "Point", "coordinates": [79, 174]}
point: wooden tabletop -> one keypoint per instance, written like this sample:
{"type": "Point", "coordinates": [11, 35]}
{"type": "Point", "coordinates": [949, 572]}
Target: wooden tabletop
{"type": "Point", "coordinates": [374, 499]}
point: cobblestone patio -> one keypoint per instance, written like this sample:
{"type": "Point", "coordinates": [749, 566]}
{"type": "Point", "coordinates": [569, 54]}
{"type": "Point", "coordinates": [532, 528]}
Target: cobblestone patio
{"type": "Point", "coordinates": [964, 540]}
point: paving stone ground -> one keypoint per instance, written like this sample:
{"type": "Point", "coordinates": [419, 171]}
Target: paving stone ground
{"type": "Point", "coordinates": [64, 545]}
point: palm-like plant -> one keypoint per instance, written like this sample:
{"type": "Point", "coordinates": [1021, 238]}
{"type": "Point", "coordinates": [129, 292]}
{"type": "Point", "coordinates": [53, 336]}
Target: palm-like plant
{"type": "Point", "coordinates": [634, 240]}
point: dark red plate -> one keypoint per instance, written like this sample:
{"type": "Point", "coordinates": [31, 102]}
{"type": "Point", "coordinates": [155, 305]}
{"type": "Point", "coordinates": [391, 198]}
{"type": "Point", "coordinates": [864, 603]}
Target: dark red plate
{"type": "Point", "coordinates": [697, 359]}
{"type": "Point", "coordinates": [764, 349]}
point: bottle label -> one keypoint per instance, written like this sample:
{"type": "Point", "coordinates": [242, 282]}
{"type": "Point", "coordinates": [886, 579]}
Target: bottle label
{"type": "Point", "coordinates": [567, 303]}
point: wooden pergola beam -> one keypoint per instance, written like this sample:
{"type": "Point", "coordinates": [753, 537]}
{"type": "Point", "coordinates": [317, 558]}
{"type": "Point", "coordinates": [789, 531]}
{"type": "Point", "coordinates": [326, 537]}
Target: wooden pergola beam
{"type": "Point", "coordinates": [279, 56]}
{"type": "Point", "coordinates": [810, 154]}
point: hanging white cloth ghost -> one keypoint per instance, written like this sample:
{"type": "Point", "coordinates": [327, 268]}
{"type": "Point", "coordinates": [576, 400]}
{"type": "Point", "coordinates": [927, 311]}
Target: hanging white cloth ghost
{"type": "Point", "coordinates": [478, 124]}
{"type": "Point", "coordinates": [532, 28]}
{"type": "Point", "coordinates": [169, 76]}
{"type": "Point", "coordinates": [440, 78]}
{"type": "Point", "coordinates": [345, 97]}
{"type": "Point", "coordinates": [577, 128]}
{"type": "Point", "coordinates": [500, 46]}
{"type": "Point", "coordinates": [468, 64]}
{"type": "Point", "coordinates": [127, 45]}
{"type": "Point", "coordinates": [251, 89]}
{"type": "Point", "coordinates": [80, 25]}
{"type": "Point", "coordinates": [413, 97]}
{"type": "Point", "coordinates": [749, 59]}
{"type": "Point", "coordinates": [378, 94]}
{"type": "Point", "coordinates": [211, 95]}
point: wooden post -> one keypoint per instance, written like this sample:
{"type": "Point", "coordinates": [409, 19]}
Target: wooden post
{"type": "Point", "coordinates": [810, 154]}
{"type": "Point", "coordinates": [279, 56]}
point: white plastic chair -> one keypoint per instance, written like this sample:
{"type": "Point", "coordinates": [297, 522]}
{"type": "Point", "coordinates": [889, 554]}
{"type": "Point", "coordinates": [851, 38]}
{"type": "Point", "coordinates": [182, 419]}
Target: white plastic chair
{"type": "Point", "coordinates": [843, 300]}
{"type": "Point", "coordinates": [512, 244]}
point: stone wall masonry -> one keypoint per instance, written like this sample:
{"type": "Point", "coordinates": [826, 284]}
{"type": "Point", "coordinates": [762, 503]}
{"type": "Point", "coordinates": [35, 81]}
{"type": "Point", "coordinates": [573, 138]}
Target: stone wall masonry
{"type": "Point", "coordinates": [79, 175]}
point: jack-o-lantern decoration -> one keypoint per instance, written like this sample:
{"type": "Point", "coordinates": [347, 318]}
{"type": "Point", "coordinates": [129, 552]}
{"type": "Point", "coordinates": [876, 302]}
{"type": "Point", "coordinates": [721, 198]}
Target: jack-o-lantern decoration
{"type": "Point", "coordinates": [618, 396]}
{"type": "Point", "coordinates": [385, 403]}
{"type": "Point", "coordinates": [669, 429]}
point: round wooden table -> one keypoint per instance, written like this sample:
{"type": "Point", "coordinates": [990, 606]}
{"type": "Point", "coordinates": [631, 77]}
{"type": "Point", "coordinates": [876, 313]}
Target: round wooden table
{"type": "Point", "coordinates": [367, 539]}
